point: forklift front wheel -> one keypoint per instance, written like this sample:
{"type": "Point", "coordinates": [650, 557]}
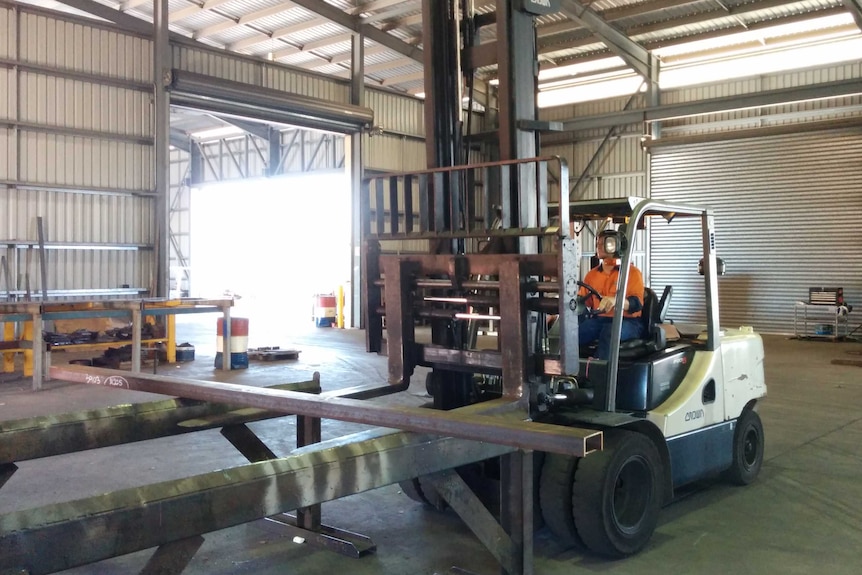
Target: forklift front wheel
{"type": "Point", "coordinates": [617, 495]}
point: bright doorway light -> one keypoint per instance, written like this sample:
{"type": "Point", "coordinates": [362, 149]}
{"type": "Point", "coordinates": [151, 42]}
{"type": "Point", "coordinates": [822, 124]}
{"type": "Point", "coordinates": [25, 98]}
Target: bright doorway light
{"type": "Point", "coordinates": [275, 243]}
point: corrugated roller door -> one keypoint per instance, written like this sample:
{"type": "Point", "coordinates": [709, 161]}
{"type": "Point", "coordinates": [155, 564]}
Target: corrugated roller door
{"type": "Point", "coordinates": [788, 217]}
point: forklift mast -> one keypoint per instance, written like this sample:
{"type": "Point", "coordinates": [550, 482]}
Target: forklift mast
{"type": "Point", "coordinates": [486, 224]}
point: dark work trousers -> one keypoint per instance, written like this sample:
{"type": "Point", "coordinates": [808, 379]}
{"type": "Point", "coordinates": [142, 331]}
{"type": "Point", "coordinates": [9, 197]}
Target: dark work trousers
{"type": "Point", "coordinates": [599, 329]}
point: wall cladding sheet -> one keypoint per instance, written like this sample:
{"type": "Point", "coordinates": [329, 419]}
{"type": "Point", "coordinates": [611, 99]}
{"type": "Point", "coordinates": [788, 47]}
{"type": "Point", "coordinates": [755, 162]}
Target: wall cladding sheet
{"type": "Point", "coordinates": [69, 45]}
{"type": "Point", "coordinates": [7, 94]}
{"type": "Point", "coordinates": [77, 217]}
{"type": "Point", "coordinates": [7, 32]}
{"type": "Point", "coordinates": [53, 101]}
{"type": "Point", "coordinates": [52, 159]}
{"type": "Point", "coordinates": [391, 153]}
{"type": "Point", "coordinates": [400, 114]}
{"type": "Point", "coordinates": [310, 85]}
{"type": "Point", "coordinates": [8, 155]}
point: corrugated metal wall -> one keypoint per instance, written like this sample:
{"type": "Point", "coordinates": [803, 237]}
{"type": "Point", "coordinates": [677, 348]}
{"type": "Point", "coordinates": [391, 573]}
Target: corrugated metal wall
{"type": "Point", "coordinates": [78, 153]}
{"type": "Point", "coordinates": [618, 171]}
{"type": "Point", "coordinates": [80, 139]}
{"type": "Point", "coordinates": [787, 218]}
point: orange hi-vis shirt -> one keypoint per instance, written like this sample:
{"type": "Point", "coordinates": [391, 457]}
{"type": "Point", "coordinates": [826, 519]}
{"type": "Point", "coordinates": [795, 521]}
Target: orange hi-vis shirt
{"type": "Point", "coordinates": [606, 284]}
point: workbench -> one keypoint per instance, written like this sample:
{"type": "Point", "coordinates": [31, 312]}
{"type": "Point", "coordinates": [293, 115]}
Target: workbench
{"type": "Point", "coordinates": [33, 315]}
{"type": "Point", "coordinates": [820, 321]}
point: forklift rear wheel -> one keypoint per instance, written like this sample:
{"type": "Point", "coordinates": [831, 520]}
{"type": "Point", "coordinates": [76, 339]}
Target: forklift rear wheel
{"type": "Point", "coordinates": [747, 449]}
{"type": "Point", "coordinates": [616, 494]}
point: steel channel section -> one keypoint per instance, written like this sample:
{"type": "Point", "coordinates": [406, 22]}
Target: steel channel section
{"type": "Point", "coordinates": [65, 535]}
{"type": "Point", "coordinates": [45, 436]}
{"type": "Point", "coordinates": [518, 68]}
{"type": "Point", "coordinates": [514, 433]}
{"type": "Point", "coordinates": [161, 133]}
{"type": "Point", "coordinates": [247, 443]}
{"type": "Point", "coordinates": [308, 432]}
{"type": "Point", "coordinates": [516, 508]}
{"type": "Point", "coordinates": [569, 263]}
{"type": "Point", "coordinates": [475, 515]}
{"type": "Point", "coordinates": [371, 297]}
{"type": "Point", "coordinates": [393, 205]}
{"type": "Point", "coordinates": [400, 334]}
{"type": "Point", "coordinates": [513, 331]}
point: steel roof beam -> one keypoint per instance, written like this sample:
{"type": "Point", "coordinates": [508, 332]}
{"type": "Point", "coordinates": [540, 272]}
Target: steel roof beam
{"type": "Point", "coordinates": [131, 4]}
{"type": "Point", "coordinates": [630, 51]}
{"type": "Point", "coordinates": [355, 25]}
{"type": "Point", "coordinates": [376, 5]}
{"type": "Point", "coordinates": [277, 34]}
{"type": "Point", "coordinates": [855, 7]}
{"type": "Point", "coordinates": [112, 15]}
{"type": "Point", "coordinates": [715, 105]}
{"type": "Point", "coordinates": [194, 9]}
{"type": "Point", "coordinates": [243, 20]}
{"type": "Point", "coordinates": [255, 129]}
{"type": "Point", "coordinates": [180, 140]}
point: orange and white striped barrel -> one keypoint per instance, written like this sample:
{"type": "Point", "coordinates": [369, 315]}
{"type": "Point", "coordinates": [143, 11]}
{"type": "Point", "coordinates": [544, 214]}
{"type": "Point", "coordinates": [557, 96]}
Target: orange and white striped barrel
{"type": "Point", "coordinates": [238, 343]}
{"type": "Point", "coordinates": [324, 310]}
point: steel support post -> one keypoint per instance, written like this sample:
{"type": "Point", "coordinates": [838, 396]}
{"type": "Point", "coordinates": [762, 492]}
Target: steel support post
{"type": "Point", "coordinates": [162, 137]}
{"type": "Point", "coordinates": [353, 154]}
{"type": "Point", "coordinates": [516, 509]}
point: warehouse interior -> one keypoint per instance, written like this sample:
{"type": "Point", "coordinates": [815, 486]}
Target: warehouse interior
{"type": "Point", "coordinates": [343, 233]}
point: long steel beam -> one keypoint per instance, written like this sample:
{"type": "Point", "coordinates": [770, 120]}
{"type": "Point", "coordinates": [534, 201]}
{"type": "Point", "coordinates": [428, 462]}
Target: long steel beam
{"type": "Point", "coordinates": [44, 436]}
{"type": "Point", "coordinates": [65, 535]}
{"type": "Point", "coordinates": [509, 430]}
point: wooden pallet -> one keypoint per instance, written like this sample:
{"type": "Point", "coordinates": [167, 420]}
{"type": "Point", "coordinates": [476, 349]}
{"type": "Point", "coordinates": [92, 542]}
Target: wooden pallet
{"type": "Point", "coordinates": [273, 354]}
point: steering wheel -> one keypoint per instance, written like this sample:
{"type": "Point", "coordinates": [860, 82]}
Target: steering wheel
{"type": "Point", "coordinates": [582, 308]}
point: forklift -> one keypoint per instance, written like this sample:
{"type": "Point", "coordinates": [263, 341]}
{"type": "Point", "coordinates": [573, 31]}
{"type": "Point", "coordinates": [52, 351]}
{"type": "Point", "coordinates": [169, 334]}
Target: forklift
{"type": "Point", "coordinates": [504, 243]}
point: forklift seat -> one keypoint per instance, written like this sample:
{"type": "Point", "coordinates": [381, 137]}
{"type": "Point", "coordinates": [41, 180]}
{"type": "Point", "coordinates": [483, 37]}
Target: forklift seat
{"type": "Point", "coordinates": [652, 316]}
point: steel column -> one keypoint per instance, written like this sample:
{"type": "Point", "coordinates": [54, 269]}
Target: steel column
{"type": "Point", "coordinates": [162, 154]}
{"type": "Point", "coordinates": [518, 70]}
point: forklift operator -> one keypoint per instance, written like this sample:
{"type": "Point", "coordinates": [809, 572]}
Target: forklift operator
{"type": "Point", "coordinates": [596, 327]}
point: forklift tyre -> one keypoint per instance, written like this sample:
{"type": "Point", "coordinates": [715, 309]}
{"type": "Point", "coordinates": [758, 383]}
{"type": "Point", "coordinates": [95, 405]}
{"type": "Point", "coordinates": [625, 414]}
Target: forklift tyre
{"type": "Point", "coordinates": [617, 494]}
{"type": "Point", "coordinates": [747, 449]}
{"type": "Point", "coordinates": [424, 493]}
{"type": "Point", "coordinates": [555, 493]}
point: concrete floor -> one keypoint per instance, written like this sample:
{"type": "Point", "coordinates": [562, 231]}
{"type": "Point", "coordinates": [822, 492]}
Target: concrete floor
{"type": "Point", "coordinates": [803, 515]}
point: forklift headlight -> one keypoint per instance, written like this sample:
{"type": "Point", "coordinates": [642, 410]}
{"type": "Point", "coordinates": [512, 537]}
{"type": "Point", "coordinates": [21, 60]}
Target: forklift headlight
{"type": "Point", "coordinates": [613, 243]}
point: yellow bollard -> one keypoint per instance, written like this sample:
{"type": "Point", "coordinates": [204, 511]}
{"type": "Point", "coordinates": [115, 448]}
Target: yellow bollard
{"type": "Point", "coordinates": [28, 353]}
{"type": "Point", "coordinates": [9, 357]}
{"type": "Point", "coordinates": [171, 328]}
{"type": "Point", "coordinates": [339, 308]}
